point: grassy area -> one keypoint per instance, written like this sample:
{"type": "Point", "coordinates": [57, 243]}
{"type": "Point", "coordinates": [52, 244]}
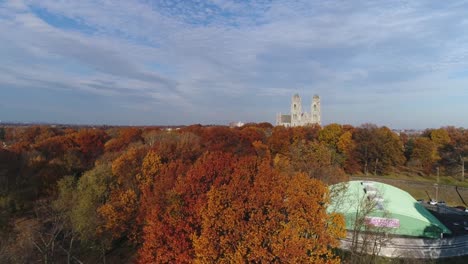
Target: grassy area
{"type": "Point", "coordinates": [449, 196]}
{"type": "Point", "coordinates": [423, 187]}
{"type": "Point", "coordinates": [448, 180]}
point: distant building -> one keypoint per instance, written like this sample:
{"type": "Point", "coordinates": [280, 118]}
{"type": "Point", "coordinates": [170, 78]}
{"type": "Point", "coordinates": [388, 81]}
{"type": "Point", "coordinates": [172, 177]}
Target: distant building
{"type": "Point", "coordinates": [236, 124]}
{"type": "Point", "coordinates": [299, 118]}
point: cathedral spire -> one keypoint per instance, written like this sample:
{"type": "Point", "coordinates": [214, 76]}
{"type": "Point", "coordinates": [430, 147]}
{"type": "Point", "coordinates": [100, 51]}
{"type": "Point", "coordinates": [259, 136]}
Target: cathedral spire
{"type": "Point", "coordinates": [299, 118]}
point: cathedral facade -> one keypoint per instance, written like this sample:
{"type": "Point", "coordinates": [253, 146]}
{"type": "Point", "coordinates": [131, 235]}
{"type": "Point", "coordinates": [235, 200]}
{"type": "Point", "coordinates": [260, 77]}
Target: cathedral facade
{"type": "Point", "coordinates": [299, 118]}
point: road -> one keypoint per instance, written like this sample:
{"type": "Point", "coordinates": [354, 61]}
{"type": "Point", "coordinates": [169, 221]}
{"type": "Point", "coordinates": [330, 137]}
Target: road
{"type": "Point", "coordinates": [403, 247]}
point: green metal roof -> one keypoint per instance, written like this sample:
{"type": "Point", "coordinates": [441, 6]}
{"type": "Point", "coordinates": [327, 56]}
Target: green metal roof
{"type": "Point", "coordinates": [393, 209]}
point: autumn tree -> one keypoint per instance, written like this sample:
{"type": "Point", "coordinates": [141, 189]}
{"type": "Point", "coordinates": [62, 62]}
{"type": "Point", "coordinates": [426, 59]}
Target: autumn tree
{"type": "Point", "coordinates": [90, 142]}
{"type": "Point", "coordinates": [262, 125]}
{"type": "Point", "coordinates": [252, 134]}
{"type": "Point", "coordinates": [440, 137]}
{"type": "Point", "coordinates": [159, 213]}
{"type": "Point", "coordinates": [377, 149]}
{"type": "Point", "coordinates": [76, 206]}
{"type": "Point", "coordinates": [120, 210]}
{"type": "Point", "coordinates": [169, 231]}
{"type": "Point", "coordinates": [221, 139]}
{"type": "Point", "coordinates": [54, 147]}
{"type": "Point", "coordinates": [2, 134]}
{"type": "Point", "coordinates": [33, 134]}
{"type": "Point", "coordinates": [196, 129]}
{"type": "Point", "coordinates": [60, 157]}
{"type": "Point", "coordinates": [151, 136]}
{"type": "Point", "coordinates": [125, 137]}
{"type": "Point", "coordinates": [426, 151]}
{"type": "Point", "coordinates": [46, 230]}
{"type": "Point", "coordinates": [280, 140]}
{"type": "Point", "coordinates": [404, 138]}
{"type": "Point", "coordinates": [249, 135]}
{"type": "Point", "coordinates": [408, 149]}
{"type": "Point", "coordinates": [305, 133]}
{"type": "Point", "coordinates": [454, 154]}
{"type": "Point", "coordinates": [63, 207]}
{"type": "Point", "coordinates": [92, 190]}
{"type": "Point", "coordinates": [11, 186]}
{"type": "Point", "coordinates": [424, 154]}
{"type": "Point", "coordinates": [316, 160]}
{"type": "Point", "coordinates": [9, 166]}
{"type": "Point", "coordinates": [346, 147]}
{"type": "Point", "coordinates": [391, 150]}
{"type": "Point", "coordinates": [263, 216]}
{"type": "Point", "coordinates": [174, 145]}
{"type": "Point", "coordinates": [330, 135]}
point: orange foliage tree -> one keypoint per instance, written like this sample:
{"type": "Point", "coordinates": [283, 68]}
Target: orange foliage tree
{"type": "Point", "coordinates": [221, 139]}
{"type": "Point", "coordinates": [120, 211]}
{"type": "Point", "coordinates": [424, 154]}
{"type": "Point", "coordinates": [171, 225]}
{"type": "Point", "coordinates": [280, 140]}
{"type": "Point", "coordinates": [158, 215]}
{"type": "Point", "coordinates": [126, 136]}
{"type": "Point", "coordinates": [346, 147]}
{"type": "Point", "coordinates": [378, 149]}
{"type": "Point", "coordinates": [90, 143]}
{"type": "Point", "coordinates": [175, 145]}
{"type": "Point", "coordinates": [263, 216]}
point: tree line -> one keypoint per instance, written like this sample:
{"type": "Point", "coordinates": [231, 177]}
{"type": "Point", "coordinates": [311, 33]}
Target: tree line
{"type": "Point", "coordinates": [196, 194]}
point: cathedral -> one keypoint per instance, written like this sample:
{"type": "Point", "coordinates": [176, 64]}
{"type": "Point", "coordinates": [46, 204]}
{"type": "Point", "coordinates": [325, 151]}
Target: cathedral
{"type": "Point", "coordinates": [299, 118]}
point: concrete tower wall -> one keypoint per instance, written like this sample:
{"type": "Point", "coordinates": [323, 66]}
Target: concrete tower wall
{"type": "Point", "coordinates": [299, 118]}
{"type": "Point", "coordinates": [315, 110]}
{"type": "Point", "coordinates": [296, 110]}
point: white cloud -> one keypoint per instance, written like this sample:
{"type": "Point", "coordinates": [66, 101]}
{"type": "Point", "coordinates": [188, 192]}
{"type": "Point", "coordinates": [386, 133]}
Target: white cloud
{"type": "Point", "coordinates": [192, 54]}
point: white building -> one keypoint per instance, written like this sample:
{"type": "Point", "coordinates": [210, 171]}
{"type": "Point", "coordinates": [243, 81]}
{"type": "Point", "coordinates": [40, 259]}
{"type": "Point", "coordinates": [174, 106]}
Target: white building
{"type": "Point", "coordinates": [299, 118]}
{"type": "Point", "coordinates": [236, 124]}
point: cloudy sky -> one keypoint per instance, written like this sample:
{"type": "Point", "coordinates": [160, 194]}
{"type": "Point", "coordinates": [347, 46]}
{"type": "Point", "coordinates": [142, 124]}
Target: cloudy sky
{"type": "Point", "coordinates": [403, 64]}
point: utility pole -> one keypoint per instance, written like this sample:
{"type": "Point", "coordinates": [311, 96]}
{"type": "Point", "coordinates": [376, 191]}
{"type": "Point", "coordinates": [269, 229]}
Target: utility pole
{"type": "Point", "coordinates": [437, 184]}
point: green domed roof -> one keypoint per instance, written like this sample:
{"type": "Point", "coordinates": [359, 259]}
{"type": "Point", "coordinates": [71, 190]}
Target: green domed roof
{"type": "Point", "coordinates": [391, 208]}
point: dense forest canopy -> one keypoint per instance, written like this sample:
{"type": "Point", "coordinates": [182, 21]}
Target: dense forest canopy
{"type": "Point", "coordinates": [195, 194]}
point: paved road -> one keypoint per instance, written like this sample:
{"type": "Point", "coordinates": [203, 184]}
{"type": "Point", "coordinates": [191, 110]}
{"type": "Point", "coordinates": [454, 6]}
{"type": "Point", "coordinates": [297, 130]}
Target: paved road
{"type": "Point", "coordinates": [398, 247]}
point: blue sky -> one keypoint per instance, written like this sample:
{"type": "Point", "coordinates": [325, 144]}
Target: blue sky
{"type": "Point", "coordinates": [402, 64]}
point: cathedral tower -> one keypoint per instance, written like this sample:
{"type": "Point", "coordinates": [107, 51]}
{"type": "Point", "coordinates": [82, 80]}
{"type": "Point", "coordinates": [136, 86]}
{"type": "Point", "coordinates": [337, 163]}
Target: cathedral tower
{"type": "Point", "coordinates": [315, 110]}
{"type": "Point", "coordinates": [296, 110]}
{"type": "Point", "coordinates": [299, 118]}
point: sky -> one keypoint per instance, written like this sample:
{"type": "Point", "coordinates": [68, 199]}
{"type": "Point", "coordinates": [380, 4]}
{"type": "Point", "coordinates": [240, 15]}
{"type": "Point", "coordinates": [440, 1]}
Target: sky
{"type": "Point", "coordinates": [402, 64]}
